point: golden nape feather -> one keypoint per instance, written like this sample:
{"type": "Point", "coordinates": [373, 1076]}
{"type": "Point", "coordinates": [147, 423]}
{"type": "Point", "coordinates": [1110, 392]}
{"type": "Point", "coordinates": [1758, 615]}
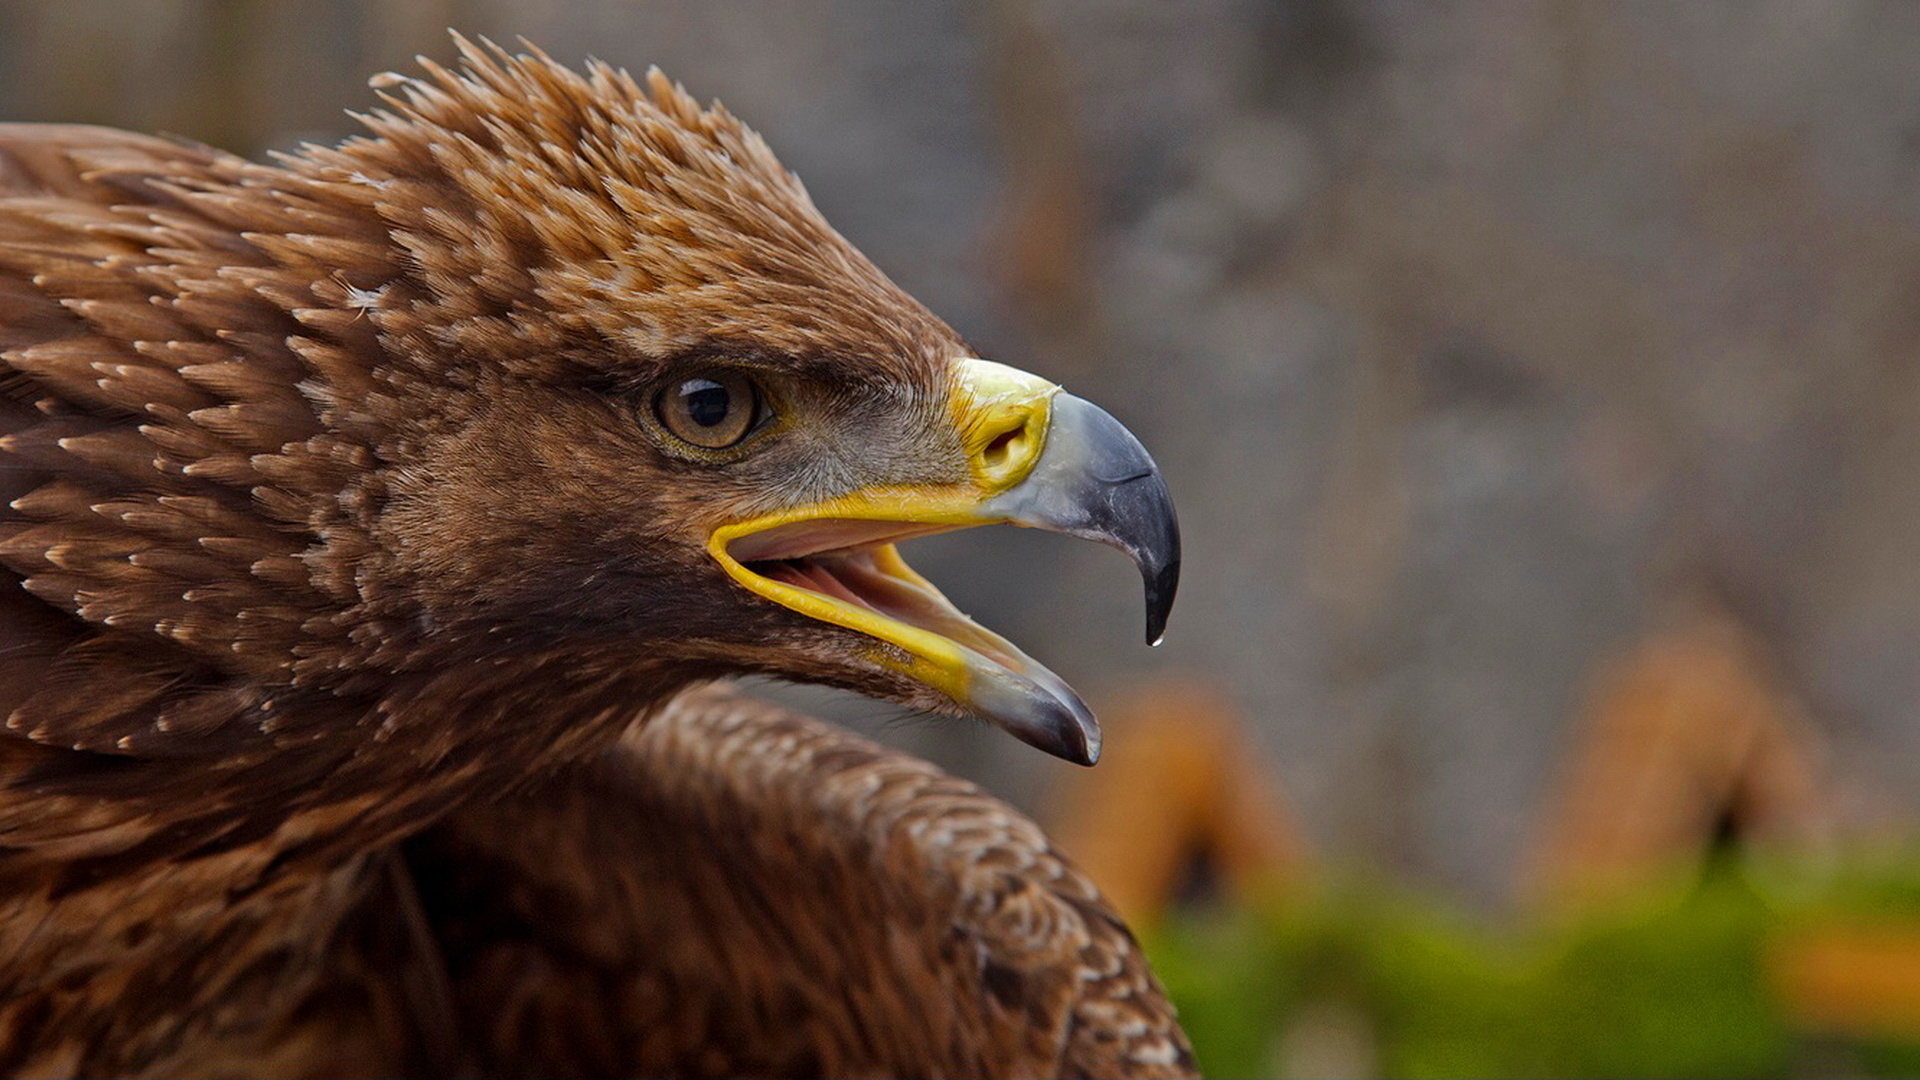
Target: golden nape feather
{"type": "Point", "coordinates": [370, 522]}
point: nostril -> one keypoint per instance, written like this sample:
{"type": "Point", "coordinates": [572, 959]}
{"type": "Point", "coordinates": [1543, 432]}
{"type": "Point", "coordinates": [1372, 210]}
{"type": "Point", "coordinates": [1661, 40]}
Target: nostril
{"type": "Point", "coordinates": [996, 453]}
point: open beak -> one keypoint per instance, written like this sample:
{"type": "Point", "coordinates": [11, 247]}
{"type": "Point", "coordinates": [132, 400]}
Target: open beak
{"type": "Point", "coordinates": [1039, 457]}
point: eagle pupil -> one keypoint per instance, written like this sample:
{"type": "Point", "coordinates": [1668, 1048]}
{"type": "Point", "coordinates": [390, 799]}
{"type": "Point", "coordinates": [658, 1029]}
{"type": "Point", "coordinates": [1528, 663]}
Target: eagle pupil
{"type": "Point", "coordinates": [707, 401]}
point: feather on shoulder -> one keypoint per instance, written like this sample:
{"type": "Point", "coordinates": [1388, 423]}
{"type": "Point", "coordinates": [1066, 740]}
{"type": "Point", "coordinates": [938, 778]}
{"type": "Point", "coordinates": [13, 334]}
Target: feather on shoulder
{"type": "Point", "coordinates": [742, 890]}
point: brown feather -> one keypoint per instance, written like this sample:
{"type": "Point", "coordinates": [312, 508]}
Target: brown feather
{"type": "Point", "coordinates": [332, 571]}
{"type": "Point", "coordinates": [837, 908]}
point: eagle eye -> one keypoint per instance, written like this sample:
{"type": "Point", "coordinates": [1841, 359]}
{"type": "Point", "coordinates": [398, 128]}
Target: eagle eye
{"type": "Point", "coordinates": [712, 410]}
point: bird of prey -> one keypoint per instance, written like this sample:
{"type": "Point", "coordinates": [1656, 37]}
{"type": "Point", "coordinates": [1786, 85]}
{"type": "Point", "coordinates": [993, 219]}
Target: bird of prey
{"type": "Point", "coordinates": [374, 525]}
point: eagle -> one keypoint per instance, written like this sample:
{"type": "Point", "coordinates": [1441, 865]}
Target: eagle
{"type": "Point", "coordinates": [378, 528]}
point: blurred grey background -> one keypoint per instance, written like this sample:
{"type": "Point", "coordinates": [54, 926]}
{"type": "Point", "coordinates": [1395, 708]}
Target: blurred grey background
{"type": "Point", "coordinates": [1478, 340]}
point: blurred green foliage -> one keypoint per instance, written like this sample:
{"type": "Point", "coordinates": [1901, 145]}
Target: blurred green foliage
{"type": "Point", "coordinates": [1667, 983]}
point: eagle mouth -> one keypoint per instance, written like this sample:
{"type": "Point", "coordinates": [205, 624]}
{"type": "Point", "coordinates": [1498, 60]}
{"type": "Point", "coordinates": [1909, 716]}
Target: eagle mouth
{"type": "Point", "coordinates": [847, 572]}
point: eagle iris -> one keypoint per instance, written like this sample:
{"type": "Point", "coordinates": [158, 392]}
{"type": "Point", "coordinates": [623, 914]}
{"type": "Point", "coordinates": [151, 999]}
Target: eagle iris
{"type": "Point", "coordinates": [712, 410]}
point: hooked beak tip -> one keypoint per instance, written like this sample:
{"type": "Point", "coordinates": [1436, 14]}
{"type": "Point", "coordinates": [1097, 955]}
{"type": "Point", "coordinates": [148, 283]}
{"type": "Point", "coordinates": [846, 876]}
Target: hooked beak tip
{"type": "Point", "coordinates": [1161, 584]}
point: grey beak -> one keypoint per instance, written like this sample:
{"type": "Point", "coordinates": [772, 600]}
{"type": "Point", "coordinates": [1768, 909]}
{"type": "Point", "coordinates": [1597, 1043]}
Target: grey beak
{"type": "Point", "coordinates": [1095, 481]}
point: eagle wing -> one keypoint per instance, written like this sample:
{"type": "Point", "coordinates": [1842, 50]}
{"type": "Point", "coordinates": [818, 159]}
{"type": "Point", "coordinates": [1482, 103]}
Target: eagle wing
{"type": "Point", "coordinates": [740, 890]}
